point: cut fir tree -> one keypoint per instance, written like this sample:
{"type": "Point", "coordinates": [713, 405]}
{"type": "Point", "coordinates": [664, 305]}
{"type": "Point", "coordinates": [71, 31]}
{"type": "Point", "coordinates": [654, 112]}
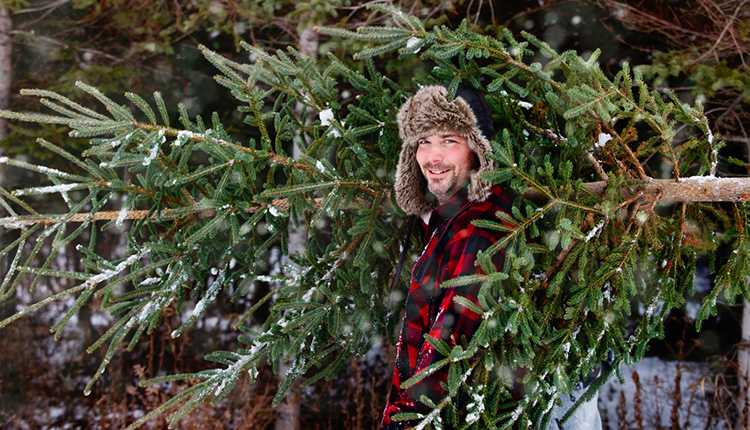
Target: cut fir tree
{"type": "Point", "coordinates": [588, 245]}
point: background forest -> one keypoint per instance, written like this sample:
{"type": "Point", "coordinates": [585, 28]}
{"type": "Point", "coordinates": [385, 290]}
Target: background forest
{"type": "Point", "coordinates": [696, 48]}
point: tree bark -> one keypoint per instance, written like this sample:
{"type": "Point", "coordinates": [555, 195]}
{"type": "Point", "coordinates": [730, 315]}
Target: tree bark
{"type": "Point", "coordinates": [743, 361]}
{"type": "Point", "coordinates": [685, 190]}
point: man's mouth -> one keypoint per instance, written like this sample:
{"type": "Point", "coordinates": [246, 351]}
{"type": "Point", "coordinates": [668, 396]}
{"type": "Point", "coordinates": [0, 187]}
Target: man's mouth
{"type": "Point", "coordinates": [437, 172]}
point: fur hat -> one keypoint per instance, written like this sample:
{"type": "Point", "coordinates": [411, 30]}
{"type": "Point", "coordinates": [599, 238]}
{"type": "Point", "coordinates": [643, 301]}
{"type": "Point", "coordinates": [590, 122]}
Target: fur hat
{"type": "Point", "coordinates": [429, 112]}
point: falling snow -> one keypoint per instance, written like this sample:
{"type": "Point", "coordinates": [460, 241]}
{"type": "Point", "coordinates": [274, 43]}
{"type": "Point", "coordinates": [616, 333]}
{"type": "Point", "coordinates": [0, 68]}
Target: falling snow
{"type": "Point", "coordinates": [412, 42]}
{"type": "Point", "coordinates": [603, 139]}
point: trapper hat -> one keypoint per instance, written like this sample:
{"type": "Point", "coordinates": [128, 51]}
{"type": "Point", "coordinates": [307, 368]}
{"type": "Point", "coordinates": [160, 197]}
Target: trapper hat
{"type": "Point", "coordinates": [428, 112]}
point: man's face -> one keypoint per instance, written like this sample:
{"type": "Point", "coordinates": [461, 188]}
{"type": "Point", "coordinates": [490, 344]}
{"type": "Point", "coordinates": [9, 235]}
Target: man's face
{"type": "Point", "coordinates": [445, 160]}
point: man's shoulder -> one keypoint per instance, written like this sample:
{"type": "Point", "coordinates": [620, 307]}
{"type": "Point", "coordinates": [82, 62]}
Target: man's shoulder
{"type": "Point", "coordinates": [500, 200]}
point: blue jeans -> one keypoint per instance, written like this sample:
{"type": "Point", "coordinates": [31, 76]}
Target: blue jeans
{"type": "Point", "coordinates": [586, 417]}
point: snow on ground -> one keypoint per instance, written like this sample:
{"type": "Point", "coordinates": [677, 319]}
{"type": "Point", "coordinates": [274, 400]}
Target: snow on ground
{"type": "Point", "coordinates": [657, 379]}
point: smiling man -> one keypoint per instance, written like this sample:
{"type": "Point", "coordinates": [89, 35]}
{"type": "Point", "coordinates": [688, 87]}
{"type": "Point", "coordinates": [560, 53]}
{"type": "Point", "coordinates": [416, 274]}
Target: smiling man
{"type": "Point", "coordinates": [438, 178]}
{"type": "Point", "coordinates": [445, 160]}
{"type": "Point", "coordinates": [444, 149]}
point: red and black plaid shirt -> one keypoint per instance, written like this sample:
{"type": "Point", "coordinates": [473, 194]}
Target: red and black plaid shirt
{"type": "Point", "coordinates": [452, 243]}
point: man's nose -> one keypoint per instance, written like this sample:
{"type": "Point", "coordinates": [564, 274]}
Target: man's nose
{"type": "Point", "coordinates": [436, 154]}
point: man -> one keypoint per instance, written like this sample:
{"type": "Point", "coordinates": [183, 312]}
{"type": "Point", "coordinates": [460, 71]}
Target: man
{"type": "Point", "coordinates": [444, 149]}
{"type": "Point", "coordinates": [445, 143]}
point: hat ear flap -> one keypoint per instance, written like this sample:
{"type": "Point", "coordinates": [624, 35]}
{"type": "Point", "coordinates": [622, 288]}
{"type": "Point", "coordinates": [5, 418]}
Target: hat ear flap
{"type": "Point", "coordinates": [480, 188]}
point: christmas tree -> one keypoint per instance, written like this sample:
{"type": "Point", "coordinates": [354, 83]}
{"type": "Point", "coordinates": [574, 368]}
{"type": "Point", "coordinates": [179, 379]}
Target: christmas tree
{"type": "Point", "coordinates": [617, 187]}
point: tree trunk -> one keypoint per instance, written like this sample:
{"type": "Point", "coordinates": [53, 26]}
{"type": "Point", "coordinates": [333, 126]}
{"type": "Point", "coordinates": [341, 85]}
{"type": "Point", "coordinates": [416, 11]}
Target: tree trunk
{"type": "Point", "coordinates": [5, 83]}
{"type": "Point", "coordinates": [743, 361]}
{"type": "Point", "coordinates": [5, 72]}
{"type": "Point", "coordinates": [287, 413]}
{"type": "Point", "coordinates": [687, 190]}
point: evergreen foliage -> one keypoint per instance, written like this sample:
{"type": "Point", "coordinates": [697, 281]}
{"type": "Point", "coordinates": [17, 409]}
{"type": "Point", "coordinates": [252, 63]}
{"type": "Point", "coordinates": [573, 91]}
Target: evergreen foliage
{"type": "Point", "coordinates": [587, 276]}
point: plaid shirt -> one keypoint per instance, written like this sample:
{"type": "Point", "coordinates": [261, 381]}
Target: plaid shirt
{"type": "Point", "coordinates": [452, 243]}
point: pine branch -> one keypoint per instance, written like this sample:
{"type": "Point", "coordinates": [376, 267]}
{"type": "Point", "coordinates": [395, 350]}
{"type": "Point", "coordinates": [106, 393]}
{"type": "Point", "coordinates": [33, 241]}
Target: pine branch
{"type": "Point", "coordinates": [686, 190]}
{"type": "Point", "coordinates": [570, 247]}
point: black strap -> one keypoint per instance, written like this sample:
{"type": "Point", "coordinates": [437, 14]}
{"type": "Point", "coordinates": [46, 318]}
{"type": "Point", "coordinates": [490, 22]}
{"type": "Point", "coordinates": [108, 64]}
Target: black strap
{"type": "Point", "coordinates": [404, 251]}
{"type": "Point", "coordinates": [406, 245]}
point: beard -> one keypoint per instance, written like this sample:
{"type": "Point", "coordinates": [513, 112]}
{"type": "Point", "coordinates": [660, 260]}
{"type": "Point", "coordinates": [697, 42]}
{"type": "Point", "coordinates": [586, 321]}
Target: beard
{"type": "Point", "coordinates": [446, 184]}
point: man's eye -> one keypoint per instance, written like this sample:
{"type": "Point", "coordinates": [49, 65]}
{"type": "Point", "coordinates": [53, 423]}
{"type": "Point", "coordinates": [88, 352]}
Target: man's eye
{"type": "Point", "coordinates": [423, 142]}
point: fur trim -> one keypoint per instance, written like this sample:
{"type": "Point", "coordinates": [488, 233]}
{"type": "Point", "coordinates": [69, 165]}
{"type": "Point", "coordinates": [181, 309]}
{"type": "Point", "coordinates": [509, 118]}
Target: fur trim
{"type": "Point", "coordinates": [429, 112]}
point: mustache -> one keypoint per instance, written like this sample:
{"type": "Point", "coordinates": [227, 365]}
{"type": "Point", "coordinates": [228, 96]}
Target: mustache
{"type": "Point", "coordinates": [433, 166]}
